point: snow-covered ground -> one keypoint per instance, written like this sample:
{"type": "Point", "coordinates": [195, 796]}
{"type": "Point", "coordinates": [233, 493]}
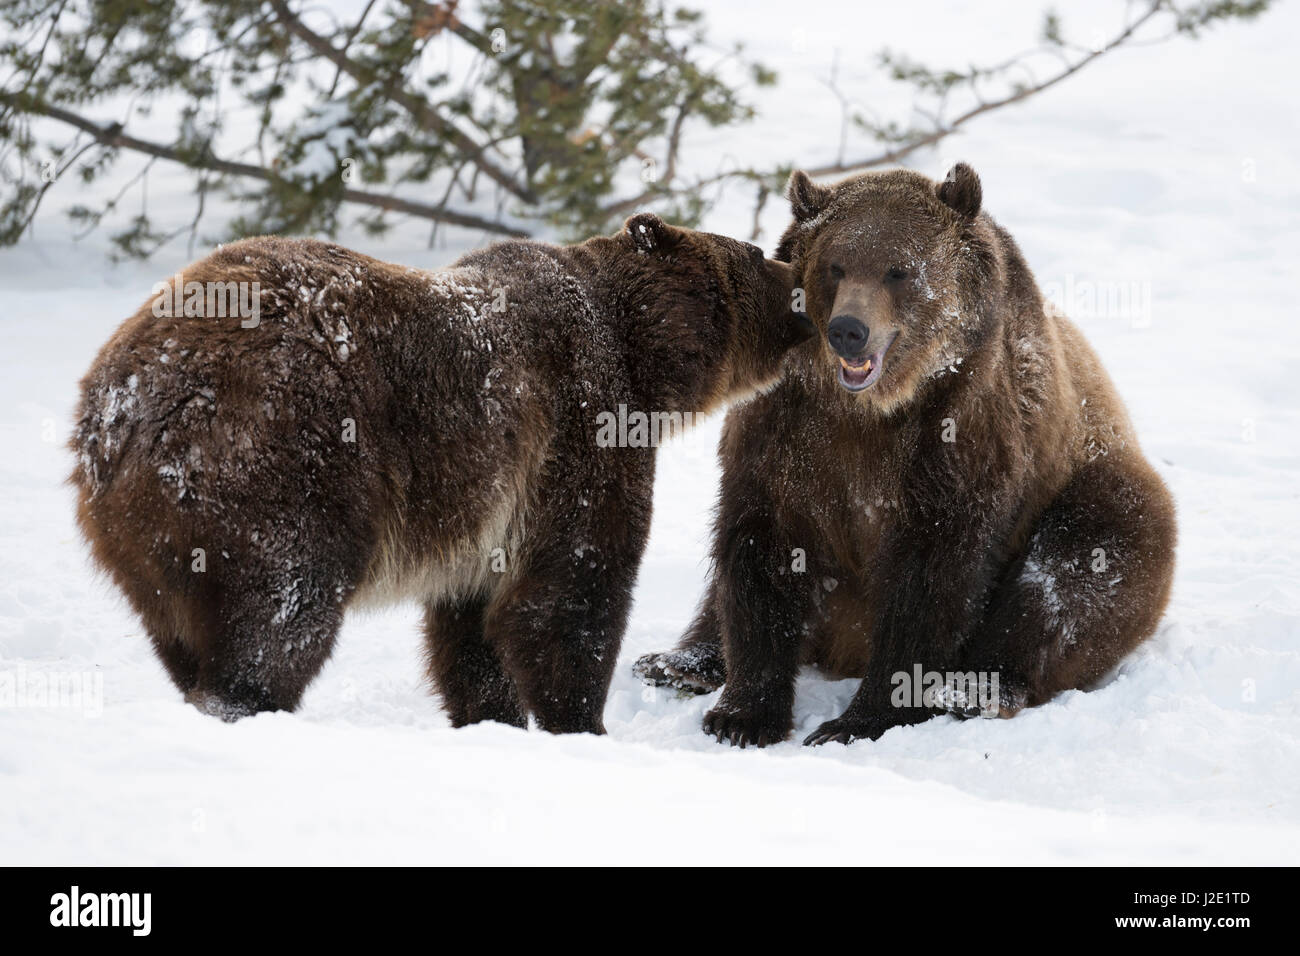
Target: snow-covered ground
{"type": "Point", "coordinates": [1168, 173]}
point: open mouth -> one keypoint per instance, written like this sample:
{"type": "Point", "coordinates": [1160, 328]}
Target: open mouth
{"type": "Point", "coordinates": [862, 372]}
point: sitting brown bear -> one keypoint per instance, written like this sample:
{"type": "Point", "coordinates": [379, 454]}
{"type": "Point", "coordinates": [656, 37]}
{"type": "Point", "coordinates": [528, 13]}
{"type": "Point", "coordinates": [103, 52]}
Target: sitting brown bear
{"type": "Point", "coordinates": [946, 484]}
{"type": "Point", "coordinates": [372, 432]}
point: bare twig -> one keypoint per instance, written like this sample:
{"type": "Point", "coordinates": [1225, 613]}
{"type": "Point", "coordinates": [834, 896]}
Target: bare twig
{"type": "Point", "coordinates": [756, 230]}
{"type": "Point", "coordinates": [942, 131]}
{"type": "Point", "coordinates": [832, 83]}
{"type": "Point", "coordinates": [352, 35]}
{"type": "Point", "coordinates": [36, 203]}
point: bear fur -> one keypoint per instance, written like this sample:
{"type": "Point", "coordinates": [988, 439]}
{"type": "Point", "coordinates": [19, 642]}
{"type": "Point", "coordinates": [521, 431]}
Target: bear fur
{"type": "Point", "coordinates": [383, 433]}
{"type": "Point", "coordinates": [957, 490]}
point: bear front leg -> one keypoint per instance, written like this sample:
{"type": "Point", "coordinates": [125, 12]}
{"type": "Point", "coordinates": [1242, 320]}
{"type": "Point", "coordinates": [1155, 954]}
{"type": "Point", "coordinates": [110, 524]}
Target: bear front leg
{"type": "Point", "coordinates": [559, 622]}
{"type": "Point", "coordinates": [763, 603]}
{"type": "Point", "coordinates": [935, 589]}
{"type": "Point", "coordinates": [864, 719]}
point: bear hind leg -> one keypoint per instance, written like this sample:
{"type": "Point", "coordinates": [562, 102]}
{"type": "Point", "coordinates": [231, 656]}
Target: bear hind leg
{"type": "Point", "coordinates": [465, 670]}
{"type": "Point", "coordinates": [267, 644]}
{"type": "Point", "coordinates": [697, 665]}
{"type": "Point", "coordinates": [180, 660]}
{"type": "Point", "coordinates": [1091, 586]}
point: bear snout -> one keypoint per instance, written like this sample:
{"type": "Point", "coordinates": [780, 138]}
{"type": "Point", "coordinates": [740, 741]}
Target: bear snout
{"type": "Point", "coordinates": [847, 335]}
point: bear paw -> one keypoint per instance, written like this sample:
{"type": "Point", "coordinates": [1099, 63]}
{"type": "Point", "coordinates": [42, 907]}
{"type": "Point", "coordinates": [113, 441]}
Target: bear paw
{"type": "Point", "coordinates": [741, 726]}
{"type": "Point", "coordinates": [847, 728]}
{"type": "Point", "coordinates": [688, 671]}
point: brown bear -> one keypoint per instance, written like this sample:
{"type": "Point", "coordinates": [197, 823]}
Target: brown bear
{"type": "Point", "coordinates": [945, 489]}
{"type": "Point", "coordinates": [370, 432]}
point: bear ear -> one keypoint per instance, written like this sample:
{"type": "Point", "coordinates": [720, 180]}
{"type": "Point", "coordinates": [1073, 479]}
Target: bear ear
{"type": "Point", "coordinates": [807, 199]}
{"type": "Point", "coordinates": [961, 191]}
{"type": "Point", "coordinates": [651, 234]}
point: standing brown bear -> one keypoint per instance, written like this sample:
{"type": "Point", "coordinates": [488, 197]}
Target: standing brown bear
{"type": "Point", "coordinates": [373, 432]}
{"type": "Point", "coordinates": [945, 484]}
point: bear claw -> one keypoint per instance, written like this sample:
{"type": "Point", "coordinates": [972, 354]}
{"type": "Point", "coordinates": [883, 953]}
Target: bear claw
{"type": "Point", "coordinates": [845, 730]}
{"type": "Point", "coordinates": [740, 730]}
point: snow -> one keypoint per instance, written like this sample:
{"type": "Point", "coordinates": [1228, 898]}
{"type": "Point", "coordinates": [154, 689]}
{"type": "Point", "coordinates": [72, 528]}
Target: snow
{"type": "Point", "coordinates": [327, 141]}
{"type": "Point", "coordinates": [1190, 753]}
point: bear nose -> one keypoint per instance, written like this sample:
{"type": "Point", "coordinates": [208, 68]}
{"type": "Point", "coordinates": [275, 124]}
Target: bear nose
{"type": "Point", "coordinates": [847, 336]}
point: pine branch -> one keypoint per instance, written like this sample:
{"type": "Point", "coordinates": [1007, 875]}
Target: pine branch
{"type": "Point", "coordinates": [419, 109]}
{"type": "Point", "coordinates": [113, 135]}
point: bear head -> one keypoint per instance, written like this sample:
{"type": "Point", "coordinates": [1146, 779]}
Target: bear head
{"type": "Point", "coordinates": [719, 312]}
{"type": "Point", "coordinates": [900, 274]}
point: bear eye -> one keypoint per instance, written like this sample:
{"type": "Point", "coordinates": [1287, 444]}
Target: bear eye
{"type": "Point", "coordinates": [837, 273]}
{"type": "Point", "coordinates": [896, 274]}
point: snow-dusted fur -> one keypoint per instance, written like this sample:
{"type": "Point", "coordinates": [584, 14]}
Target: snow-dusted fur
{"type": "Point", "coordinates": [384, 433]}
{"type": "Point", "coordinates": [982, 508]}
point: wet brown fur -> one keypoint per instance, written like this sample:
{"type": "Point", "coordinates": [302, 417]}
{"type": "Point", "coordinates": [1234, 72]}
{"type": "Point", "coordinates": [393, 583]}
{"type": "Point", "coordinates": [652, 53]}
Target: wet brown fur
{"type": "Point", "coordinates": [474, 484]}
{"type": "Point", "coordinates": [970, 555]}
